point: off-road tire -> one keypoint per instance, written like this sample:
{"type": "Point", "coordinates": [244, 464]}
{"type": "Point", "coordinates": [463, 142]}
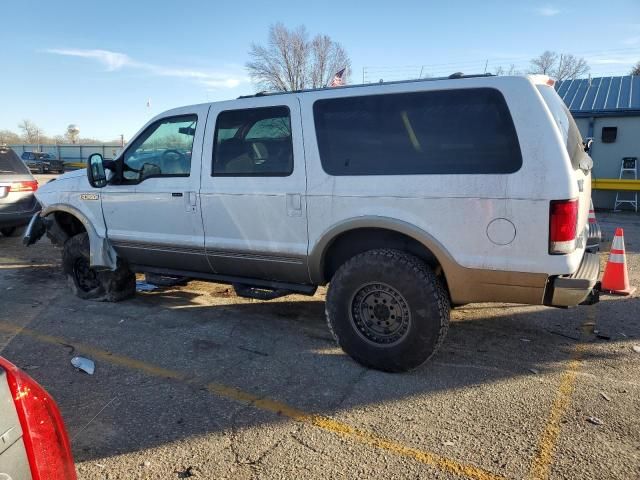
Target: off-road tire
{"type": "Point", "coordinates": [8, 231]}
{"type": "Point", "coordinates": [110, 285]}
{"type": "Point", "coordinates": [427, 302]}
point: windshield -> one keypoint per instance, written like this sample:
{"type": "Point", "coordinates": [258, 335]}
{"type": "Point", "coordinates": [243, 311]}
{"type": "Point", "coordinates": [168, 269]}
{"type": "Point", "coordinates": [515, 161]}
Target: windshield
{"type": "Point", "coordinates": [565, 122]}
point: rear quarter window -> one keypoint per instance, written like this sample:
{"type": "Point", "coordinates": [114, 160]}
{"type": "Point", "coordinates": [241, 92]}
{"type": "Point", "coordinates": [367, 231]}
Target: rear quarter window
{"type": "Point", "coordinates": [565, 123]}
{"type": "Point", "coordinates": [11, 163]}
{"type": "Point", "coordinates": [464, 131]}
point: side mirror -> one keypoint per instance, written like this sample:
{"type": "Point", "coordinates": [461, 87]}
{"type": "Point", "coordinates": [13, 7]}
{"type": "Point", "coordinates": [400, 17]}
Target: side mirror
{"type": "Point", "coordinates": [587, 144]}
{"type": "Point", "coordinates": [95, 171]}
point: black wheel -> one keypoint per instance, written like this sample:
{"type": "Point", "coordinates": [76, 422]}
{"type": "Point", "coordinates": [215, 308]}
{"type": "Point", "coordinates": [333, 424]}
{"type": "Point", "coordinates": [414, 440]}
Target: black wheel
{"type": "Point", "coordinates": [89, 283]}
{"type": "Point", "coordinates": [40, 168]}
{"type": "Point", "coordinates": [8, 231]}
{"type": "Point", "coordinates": [387, 310]}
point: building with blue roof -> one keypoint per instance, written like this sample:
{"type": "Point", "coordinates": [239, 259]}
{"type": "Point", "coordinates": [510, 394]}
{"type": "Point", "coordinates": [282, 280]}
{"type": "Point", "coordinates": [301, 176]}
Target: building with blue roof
{"type": "Point", "coordinates": [606, 109]}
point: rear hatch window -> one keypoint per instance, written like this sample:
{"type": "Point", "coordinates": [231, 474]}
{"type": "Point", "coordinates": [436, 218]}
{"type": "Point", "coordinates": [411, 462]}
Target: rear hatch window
{"type": "Point", "coordinates": [10, 163]}
{"type": "Point", "coordinates": [566, 124]}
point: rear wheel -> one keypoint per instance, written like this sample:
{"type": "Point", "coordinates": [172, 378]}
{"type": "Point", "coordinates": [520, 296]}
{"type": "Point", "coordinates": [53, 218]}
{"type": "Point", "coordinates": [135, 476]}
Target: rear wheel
{"type": "Point", "coordinates": [89, 283]}
{"type": "Point", "coordinates": [388, 310]}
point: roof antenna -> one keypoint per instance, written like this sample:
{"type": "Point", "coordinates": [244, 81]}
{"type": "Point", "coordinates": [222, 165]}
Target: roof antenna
{"type": "Point", "coordinates": [456, 75]}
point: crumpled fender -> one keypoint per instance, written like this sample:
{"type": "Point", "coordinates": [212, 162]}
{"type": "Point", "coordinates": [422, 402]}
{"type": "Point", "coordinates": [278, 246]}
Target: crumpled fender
{"type": "Point", "coordinates": [102, 254]}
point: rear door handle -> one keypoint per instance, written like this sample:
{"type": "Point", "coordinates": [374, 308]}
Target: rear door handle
{"type": "Point", "coordinates": [294, 204]}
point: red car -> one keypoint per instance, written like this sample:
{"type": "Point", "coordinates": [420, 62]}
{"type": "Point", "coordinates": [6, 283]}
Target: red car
{"type": "Point", "coordinates": [33, 440]}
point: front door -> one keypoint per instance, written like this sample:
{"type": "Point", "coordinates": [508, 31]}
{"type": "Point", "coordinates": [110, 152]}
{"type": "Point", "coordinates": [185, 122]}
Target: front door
{"type": "Point", "coordinates": [253, 189]}
{"type": "Point", "coordinates": [153, 215]}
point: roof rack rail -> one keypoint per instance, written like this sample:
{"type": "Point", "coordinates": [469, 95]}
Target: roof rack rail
{"type": "Point", "coordinates": [453, 76]}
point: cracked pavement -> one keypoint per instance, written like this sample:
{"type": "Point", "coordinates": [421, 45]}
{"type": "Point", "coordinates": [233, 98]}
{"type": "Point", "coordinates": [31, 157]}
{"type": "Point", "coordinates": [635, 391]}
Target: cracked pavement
{"type": "Point", "coordinates": [484, 400]}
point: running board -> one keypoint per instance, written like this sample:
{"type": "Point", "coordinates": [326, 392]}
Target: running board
{"type": "Point", "coordinates": [255, 287]}
{"type": "Point", "coordinates": [259, 293]}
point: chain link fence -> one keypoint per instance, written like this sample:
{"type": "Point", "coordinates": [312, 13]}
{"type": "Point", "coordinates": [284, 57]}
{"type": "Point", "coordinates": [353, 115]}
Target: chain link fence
{"type": "Point", "coordinates": [74, 156]}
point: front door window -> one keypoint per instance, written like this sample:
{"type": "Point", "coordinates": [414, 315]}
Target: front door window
{"type": "Point", "coordinates": [163, 150]}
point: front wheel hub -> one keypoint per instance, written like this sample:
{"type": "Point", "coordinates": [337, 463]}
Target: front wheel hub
{"type": "Point", "coordinates": [380, 314]}
{"type": "Point", "coordinates": [85, 276]}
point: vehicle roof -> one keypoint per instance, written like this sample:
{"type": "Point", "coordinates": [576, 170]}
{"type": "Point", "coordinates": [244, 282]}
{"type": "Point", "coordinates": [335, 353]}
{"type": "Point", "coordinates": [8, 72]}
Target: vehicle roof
{"type": "Point", "coordinates": [456, 77]}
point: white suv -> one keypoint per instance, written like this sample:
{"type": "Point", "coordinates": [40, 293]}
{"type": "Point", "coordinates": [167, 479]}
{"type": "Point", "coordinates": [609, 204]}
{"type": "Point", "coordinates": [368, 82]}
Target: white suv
{"type": "Point", "coordinates": [406, 198]}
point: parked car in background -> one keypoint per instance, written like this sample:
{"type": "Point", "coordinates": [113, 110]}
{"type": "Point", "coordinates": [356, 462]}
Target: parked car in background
{"type": "Point", "coordinates": [40, 162]}
{"type": "Point", "coordinates": [17, 185]}
{"type": "Point", "coordinates": [33, 439]}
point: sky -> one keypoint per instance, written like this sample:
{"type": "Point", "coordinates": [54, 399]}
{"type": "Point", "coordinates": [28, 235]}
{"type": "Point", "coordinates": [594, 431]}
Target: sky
{"type": "Point", "coordinates": [96, 64]}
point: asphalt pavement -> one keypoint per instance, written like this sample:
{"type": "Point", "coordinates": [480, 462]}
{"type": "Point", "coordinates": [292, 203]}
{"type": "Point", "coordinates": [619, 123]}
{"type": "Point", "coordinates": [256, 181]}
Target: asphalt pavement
{"type": "Point", "coordinates": [193, 381]}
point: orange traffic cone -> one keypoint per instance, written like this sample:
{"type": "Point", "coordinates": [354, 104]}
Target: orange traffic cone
{"type": "Point", "coordinates": [615, 278]}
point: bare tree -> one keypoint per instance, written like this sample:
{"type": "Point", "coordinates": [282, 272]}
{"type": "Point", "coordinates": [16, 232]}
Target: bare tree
{"type": "Point", "coordinates": [511, 71]}
{"type": "Point", "coordinates": [635, 70]}
{"type": "Point", "coordinates": [327, 58]}
{"type": "Point", "coordinates": [544, 64]}
{"type": "Point", "coordinates": [31, 133]}
{"type": "Point", "coordinates": [7, 137]}
{"type": "Point", "coordinates": [570, 67]}
{"type": "Point", "coordinates": [561, 66]}
{"type": "Point", "coordinates": [290, 61]}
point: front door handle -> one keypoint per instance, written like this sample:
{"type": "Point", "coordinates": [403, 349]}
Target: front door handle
{"type": "Point", "coordinates": [191, 201]}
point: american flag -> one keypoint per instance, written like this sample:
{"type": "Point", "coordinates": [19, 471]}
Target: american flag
{"type": "Point", "coordinates": [338, 80]}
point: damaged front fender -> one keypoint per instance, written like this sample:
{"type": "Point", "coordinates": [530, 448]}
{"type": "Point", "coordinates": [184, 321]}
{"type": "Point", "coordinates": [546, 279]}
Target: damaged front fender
{"type": "Point", "coordinates": [102, 254]}
{"type": "Point", "coordinates": [34, 232]}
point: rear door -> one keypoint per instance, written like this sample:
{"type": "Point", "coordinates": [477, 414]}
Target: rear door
{"type": "Point", "coordinates": [580, 160]}
{"type": "Point", "coordinates": [153, 216]}
{"type": "Point", "coordinates": [253, 189]}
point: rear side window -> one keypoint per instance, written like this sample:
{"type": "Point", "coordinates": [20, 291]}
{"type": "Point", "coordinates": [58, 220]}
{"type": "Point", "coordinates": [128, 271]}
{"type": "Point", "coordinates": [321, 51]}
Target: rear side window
{"type": "Point", "coordinates": [254, 142]}
{"type": "Point", "coordinates": [468, 131]}
{"type": "Point", "coordinates": [11, 163]}
{"type": "Point", "coordinates": [565, 123]}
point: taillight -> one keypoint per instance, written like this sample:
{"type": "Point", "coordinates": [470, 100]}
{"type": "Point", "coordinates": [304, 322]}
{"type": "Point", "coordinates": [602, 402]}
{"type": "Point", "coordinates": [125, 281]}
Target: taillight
{"type": "Point", "coordinates": [563, 222]}
{"type": "Point", "coordinates": [28, 186]}
{"type": "Point", "coordinates": [44, 436]}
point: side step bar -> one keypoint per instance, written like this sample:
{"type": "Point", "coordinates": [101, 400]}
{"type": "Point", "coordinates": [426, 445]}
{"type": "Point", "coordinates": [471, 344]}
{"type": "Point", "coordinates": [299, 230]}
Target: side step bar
{"type": "Point", "coordinates": [244, 287]}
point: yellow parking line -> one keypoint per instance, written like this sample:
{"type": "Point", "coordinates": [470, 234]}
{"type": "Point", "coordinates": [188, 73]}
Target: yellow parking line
{"type": "Point", "coordinates": [541, 465]}
{"type": "Point", "coordinates": [231, 393]}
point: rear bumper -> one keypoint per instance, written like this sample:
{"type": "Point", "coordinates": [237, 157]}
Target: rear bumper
{"type": "Point", "coordinates": [571, 290]}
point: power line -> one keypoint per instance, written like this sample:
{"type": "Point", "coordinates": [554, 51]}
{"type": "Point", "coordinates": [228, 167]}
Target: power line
{"type": "Point", "coordinates": [517, 64]}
